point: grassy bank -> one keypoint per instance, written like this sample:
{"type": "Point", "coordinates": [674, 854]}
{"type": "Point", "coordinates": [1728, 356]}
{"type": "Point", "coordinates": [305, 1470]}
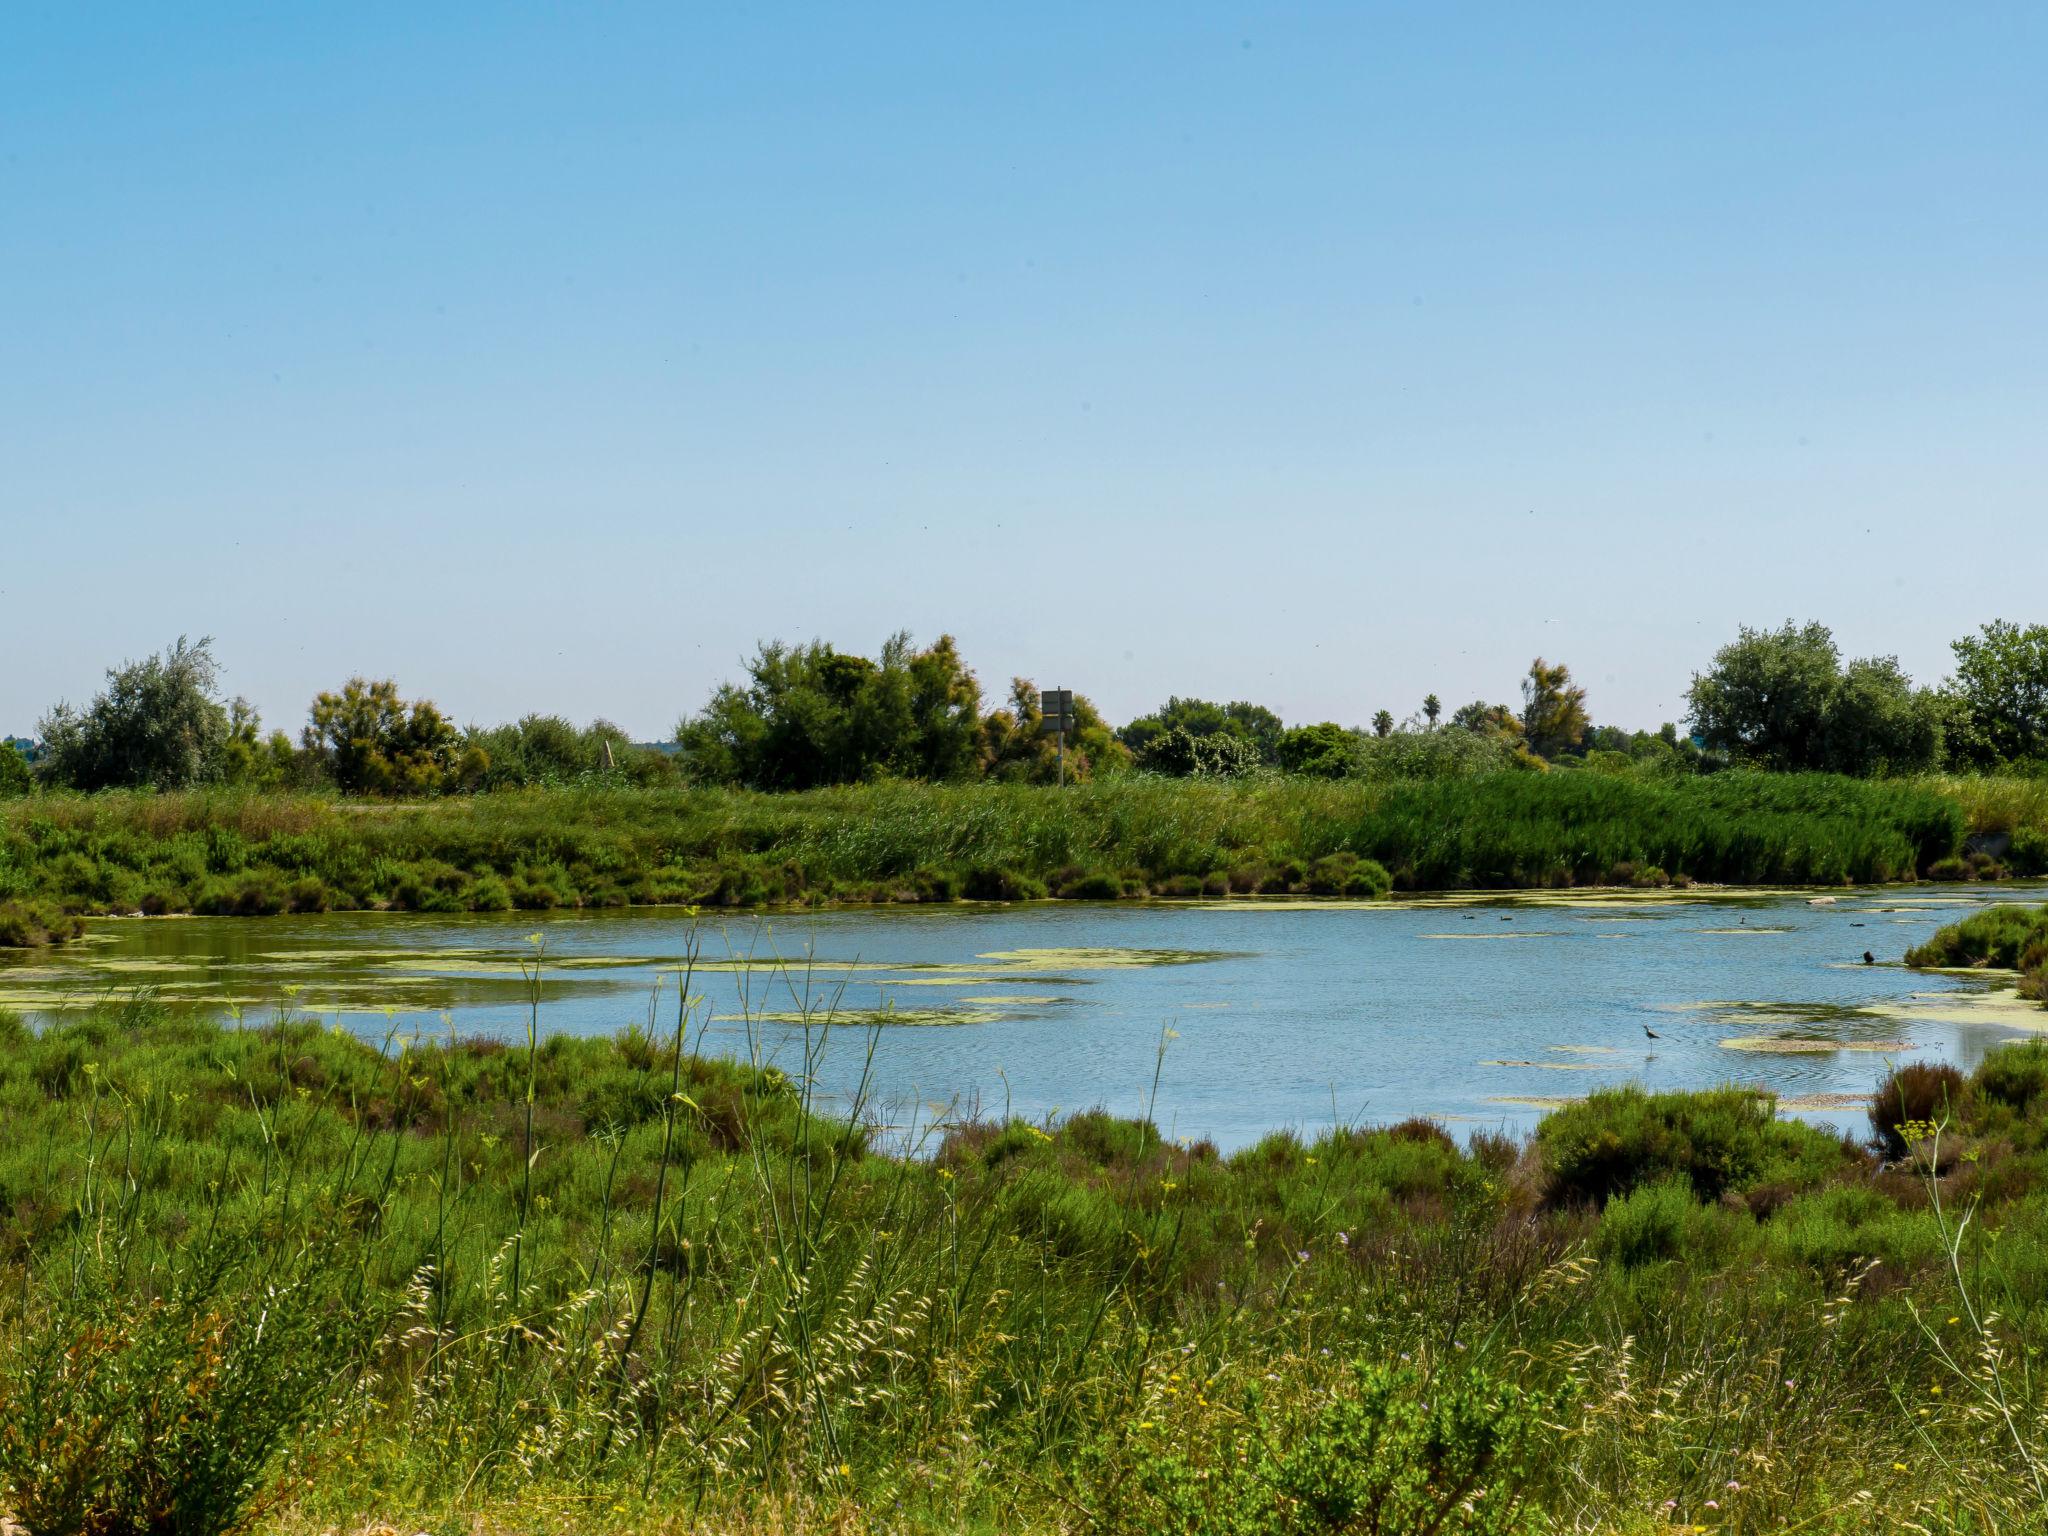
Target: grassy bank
{"type": "Point", "coordinates": [2008, 938]}
{"type": "Point", "coordinates": [257, 854]}
{"type": "Point", "coordinates": [608, 1285]}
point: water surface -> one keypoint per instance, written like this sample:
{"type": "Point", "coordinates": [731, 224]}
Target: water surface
{"type": "Point", "coordinates": [1480, 1011]}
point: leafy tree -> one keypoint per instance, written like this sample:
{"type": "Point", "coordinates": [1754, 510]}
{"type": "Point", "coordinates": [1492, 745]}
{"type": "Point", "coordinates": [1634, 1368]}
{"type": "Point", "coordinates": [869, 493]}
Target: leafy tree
{"type": "Point", "coordinates": [370, 741]}
{"type": "Point", "coordinates": [2001, 685]}
{"type": "Point", "coordinates": [157, 725]}
{"type": "Point", "coordinates": [251, 759]}
{"type": "Point", "coordinates": [1251, 723]}
{"type": "Point", "coordinates": [1553, 709]}
{"type": "Point", "coordinates": [1484, 719]}
{"type": "Point", "coordinates": [15, 778]}
{"type": "Point", "coordinates": [1016, 751]}
{"type": "Point", "coordinates": [811, 715]}
{"type": "Point", "coordinates": [1876, 721]}
{"type": "Point", "coordinates": [1383, 723]}
{"type": "Point", "coordinates": [1317, 751]}
{"type": "Point", "coordinates": [1221, 755]}
{"type": "Point", "coordinates": [1781, 699]}
{"type": "Point", "coordinates": [1432, 706]}
{"type": "Point", "coordinates": [1763, 700]}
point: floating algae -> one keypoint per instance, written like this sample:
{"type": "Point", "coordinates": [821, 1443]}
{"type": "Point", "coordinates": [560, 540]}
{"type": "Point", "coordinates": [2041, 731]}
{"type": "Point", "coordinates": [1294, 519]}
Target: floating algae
{"type": "Point", "coordinates": [1098, 959]}
{"type": "Point", "coordinates": [1519, 933]}
{"type": "Point", "coordinates": [1546, 1066]}
{"type": "Point", "coordinates": [1799, 1045]}
{"type": "Point", "coordinates": [1585, 1050]}
{"type": "Point", "coordinates": [870, 1018]}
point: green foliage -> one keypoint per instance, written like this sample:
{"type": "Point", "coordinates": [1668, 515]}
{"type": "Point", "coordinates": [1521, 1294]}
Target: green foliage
{"type": "Point", "coordinates": [35, 924]}
{"type": "Point", "coordinates": [1724, 1141]}
{"type": "Point", "coordinates": [1998, 936]}
{"type": "Point", "coordinates": [1779, 699]}
{"type": "Point", "coordinates": [1388, 1449]}
{"type": "Point", "coordinates": [595, 845]}
{"type": "Point", "coordinates": [131, 1405]}
{"type": "Point", "coordinates": [1920, 1093]}
{"type": "Point", "coordinates": [1178, 753]}
{"type": "Point", "coordinates": [1553, 710]}
{"type": "Point", "coordinates": [158, 725]}
{"type": "Point", "coordinates": [1660, 1222]}
{"type": "Point", "coordinates": [810, 715]}
{"type": "Point", "coordinates": [369, 741]}
{"type": "Point", "coordinates": [1316, 751]}
{"type": "Point", "coordinates": [15, 778]}
{"type": "Point", "coordinates": [1253, 724]}
{"type": "Point", "coordinates": [2015, 1075]}
{"type": "Point", "coordinates": [2001, 684]}
{"type": "Point", "coordinates": [1015, 751]}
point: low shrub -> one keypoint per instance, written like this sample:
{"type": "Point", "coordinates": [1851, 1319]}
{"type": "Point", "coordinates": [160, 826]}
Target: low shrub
{"type": "Point", "coordinates": [1719, 1141]}
{"type": "Point", "coordinates": [1996, 936]}
{"type": "Point", "coordinates": [36, 924]}
{"type": "Point", "coordinates": [1920, 1093]}
{"type": "Point", "coordinates": [2014, 1075]}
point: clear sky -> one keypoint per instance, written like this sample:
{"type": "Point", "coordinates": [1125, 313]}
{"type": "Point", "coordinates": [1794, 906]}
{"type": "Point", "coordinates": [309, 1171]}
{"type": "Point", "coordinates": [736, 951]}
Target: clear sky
{"type": "Point", "coordinates": [547, 356]}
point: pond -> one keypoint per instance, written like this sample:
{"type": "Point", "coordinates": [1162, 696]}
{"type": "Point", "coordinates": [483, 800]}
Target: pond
{"type": "Point", "coordinates": [1481, 1010]}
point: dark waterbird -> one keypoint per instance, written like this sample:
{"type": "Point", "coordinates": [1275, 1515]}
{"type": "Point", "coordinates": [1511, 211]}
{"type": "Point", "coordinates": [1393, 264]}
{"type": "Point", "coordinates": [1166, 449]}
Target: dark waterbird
{"type": "Point", "coordinates": [1651, 1033]}
{"type": "Point", "coordinates": [1869, 958]}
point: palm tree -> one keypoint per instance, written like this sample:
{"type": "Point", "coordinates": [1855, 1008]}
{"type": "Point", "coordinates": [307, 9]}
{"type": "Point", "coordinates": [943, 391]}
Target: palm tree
{"type": "Point", "coordinates": [1432, 706]}
{"type": "Point", "coordinates": [1383, 724]}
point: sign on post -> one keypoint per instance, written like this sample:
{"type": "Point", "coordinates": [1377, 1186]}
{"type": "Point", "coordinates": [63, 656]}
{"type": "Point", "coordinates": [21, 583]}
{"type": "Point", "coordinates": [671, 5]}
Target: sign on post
{"type": "Point", "coordinates": [1056, 718]}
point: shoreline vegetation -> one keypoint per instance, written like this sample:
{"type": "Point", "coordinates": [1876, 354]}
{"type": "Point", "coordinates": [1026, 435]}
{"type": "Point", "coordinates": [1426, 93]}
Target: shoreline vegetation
{"type": "Point", "coordinates": [279, 1276]}
{"type": "Point", "coordinates": [247, 853]}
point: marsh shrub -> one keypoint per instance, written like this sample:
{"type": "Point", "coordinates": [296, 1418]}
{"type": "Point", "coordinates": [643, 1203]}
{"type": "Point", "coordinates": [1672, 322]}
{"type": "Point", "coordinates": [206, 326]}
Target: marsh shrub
{"type": "Point", "coordinates": [134, 1409]}
{"type": "Point", "coordinates": [34, 924]}
{"type": "Point", "coordinates": [1918, 1093]}
{"type": "Point", "coordinates": [2014, 1075]}
{"type": "Point", "coordinates": [1837, 1229]}
{"type": "Point", "coordinates": [1996, 936]}
{"type": "Point", "coordinates": [15, 778]}
{"type": "Point", "coordinates": [1658, 1222]}
{"type": "Point", "coordinates": [1719, 1141]}
{"type": "Point", "coordinates": [1390, 1449]}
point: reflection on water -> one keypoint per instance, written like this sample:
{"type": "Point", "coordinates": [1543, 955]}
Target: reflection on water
{"type": "Point", "coordinates": [1286, 1012]}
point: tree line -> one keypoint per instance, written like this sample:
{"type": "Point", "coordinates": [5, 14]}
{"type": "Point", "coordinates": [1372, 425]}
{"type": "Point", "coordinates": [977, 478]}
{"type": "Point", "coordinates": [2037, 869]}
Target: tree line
{"type": "Point", "coordinates": [810, 715]}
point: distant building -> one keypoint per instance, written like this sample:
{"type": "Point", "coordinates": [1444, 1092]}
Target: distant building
{"type": "Point", "coordinates": [26, 747]}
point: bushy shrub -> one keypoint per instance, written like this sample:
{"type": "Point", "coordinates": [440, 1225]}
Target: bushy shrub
{"type": "Point", "coordinates": [2014, 1075]}
{"type": "Point", "coordinates": [1658, 1222]}
{"type": "Point", "coordinates": [1837, 1229]}
{"type": "Point", "coordinates": [989, 882]}
{"type": "Point", "coordinates": [35, 924]}
{"type": "Point", "coordinates": [1721, 1140]}
{"type": "Point", "coordinates": [1391, 1449]}
{"type": "Point", "coordinates": [1996, 936]}
{"type": "Point", "coordinates": [128, 1413]}
{"type": "Point", "coordinates": [1346, 874]}
{"type": "Point", "coordinates": [1920, 1093]}
{"type": "Point", "coordinates": [15, 779]}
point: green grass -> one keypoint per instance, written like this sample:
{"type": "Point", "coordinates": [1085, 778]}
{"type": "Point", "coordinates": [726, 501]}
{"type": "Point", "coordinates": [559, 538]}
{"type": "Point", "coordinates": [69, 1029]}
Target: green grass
{"type": "Point", "coordinates": [609, 1284]}
{"type": "Point", "coordinates": [255, 854]}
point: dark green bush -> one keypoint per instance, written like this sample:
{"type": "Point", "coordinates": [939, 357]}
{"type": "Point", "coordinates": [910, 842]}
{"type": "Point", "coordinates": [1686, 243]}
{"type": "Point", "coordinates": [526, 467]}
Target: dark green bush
{"type": "Point", "coordinates": [2014, 1075]}
{"type": "Point", "coordinates": [1920, 1093]}
{"type": "Point", "coordinates": [34, 924]}
{"type": "Point", "coordinates": [1720, 1141]}
{"type": "Point", "coordinates": [1996, 936]}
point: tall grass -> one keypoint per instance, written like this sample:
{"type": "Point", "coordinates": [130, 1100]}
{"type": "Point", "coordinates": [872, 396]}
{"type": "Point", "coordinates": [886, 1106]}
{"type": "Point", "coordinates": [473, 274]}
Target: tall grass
{"type": "Point", "coordinates": [257, 854]}
{"type": "Point", "coordinates": [607, 1283]}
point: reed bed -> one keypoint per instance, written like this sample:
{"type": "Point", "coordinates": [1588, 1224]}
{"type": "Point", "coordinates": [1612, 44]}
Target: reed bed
{"type": "Point", "coordinates": [259, 854]}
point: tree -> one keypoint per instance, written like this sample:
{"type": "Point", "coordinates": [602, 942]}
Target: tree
{"type": "Point", "coordinates": [15, 778]}
{"type": "Point", "coordinates": [158, 725]}
{"type": "Point", "coordinates": [1220, 755]}
{"type": "Point", "coordinates": [1553, 709]}
{"type": "Point", "coordinates": [372, 742]}
{"type": "Point", "coordinates": [1875, 721]}
{"type": "Point", "coordinates": [1763, 700]}
{"type": "Point", "coordinates": [1383, 723]}
{"type": "Point", "coordinates": [1015, 750]}
{"type": "Point", "coordinates": [1317, 751]}
{"type": "Point", "coordinates": [1484, 719]}
{"type": "Point", "coordinates": [1432, 706]}
{"type": "Point", "coordinates": [1781, 699]}
{"type": "Point", "coordinates": [1252, 723]}
{"type": "Point", "coordinates": [811, 715]}
{"type": "Point", "coordinates": [2001, 685]}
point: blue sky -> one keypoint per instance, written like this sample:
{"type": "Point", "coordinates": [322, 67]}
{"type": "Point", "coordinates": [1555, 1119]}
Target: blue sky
{"type": "Point", "coordinates": [546, 357]}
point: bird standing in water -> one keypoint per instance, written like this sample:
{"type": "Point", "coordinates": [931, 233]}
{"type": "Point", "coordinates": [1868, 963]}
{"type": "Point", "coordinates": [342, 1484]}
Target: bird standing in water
{"type": "Point", "coordinates": [1869, 958]}
{"type": "Point", "coordinates": [1651, 1033]}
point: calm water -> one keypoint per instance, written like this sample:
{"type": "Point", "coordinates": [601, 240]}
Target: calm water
{"type": "Point", "coordinates": [1481, 1012]}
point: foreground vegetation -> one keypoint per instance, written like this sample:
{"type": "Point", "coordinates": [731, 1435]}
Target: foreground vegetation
{"type": "Point", "coordinates": [277, 1274]}
{"type": "Point", "coordinates": [251, 854]}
